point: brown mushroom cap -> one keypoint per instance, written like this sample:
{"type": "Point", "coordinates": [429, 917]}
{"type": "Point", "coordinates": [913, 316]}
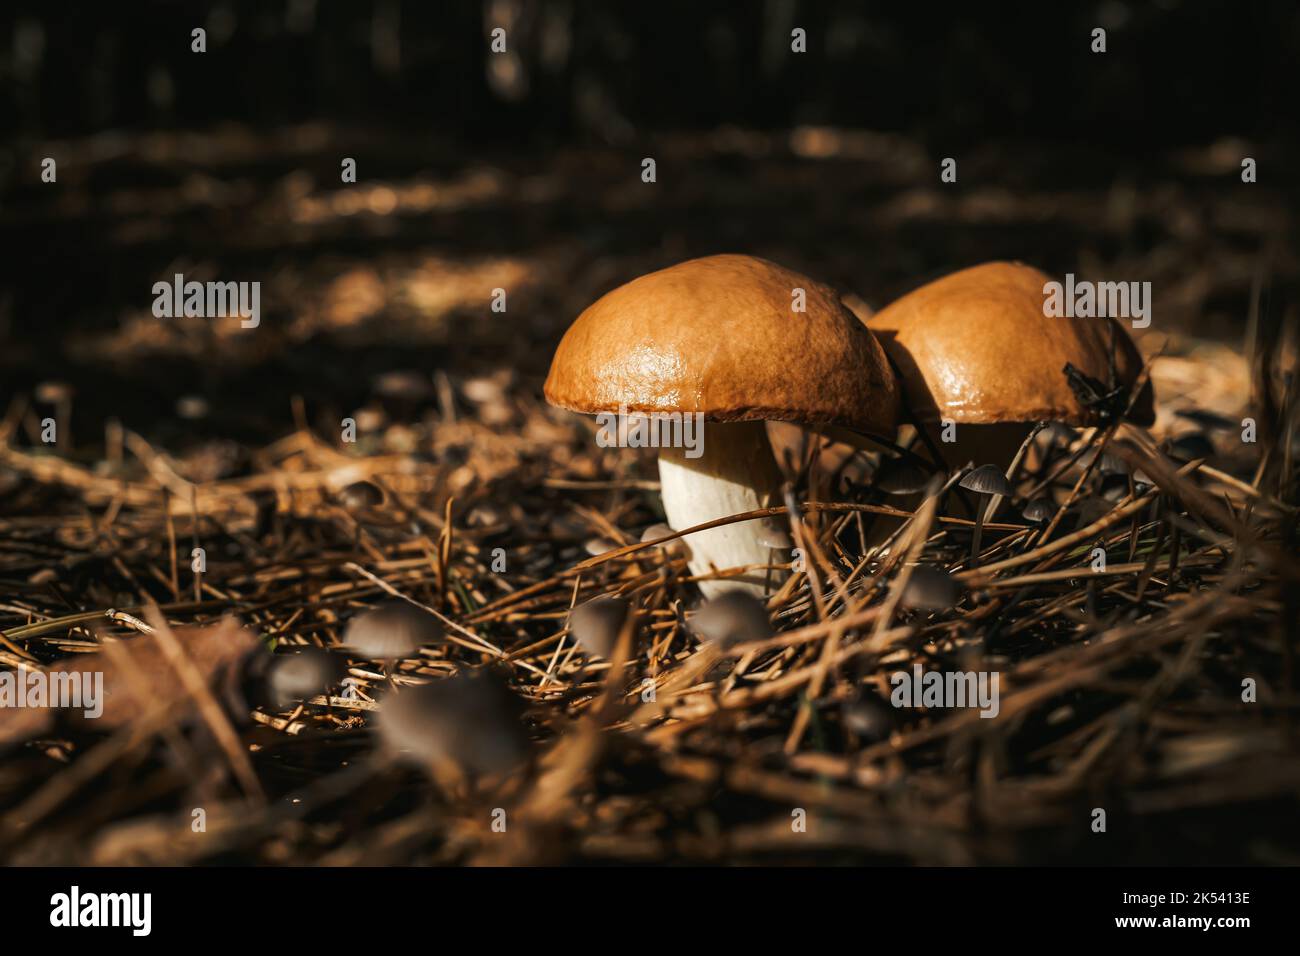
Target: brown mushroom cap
{"type": "Point", "coordinates": [718, 336]}
{"type": "Point", "coordinates": [975, 347]}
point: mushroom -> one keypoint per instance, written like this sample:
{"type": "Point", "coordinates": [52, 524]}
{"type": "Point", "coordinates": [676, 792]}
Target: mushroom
{"type": "Point", "coordinates": [472, 721]}
{"type": "Point", "coordinates": [866, 716]}
{"type": "Point", "coordinates": [596, 624]}
{"type": "Point", "coordinates": [930, 589]}
{"type": "Point", "coordinates": [984, 480]}
{"type": "Point", "coordinates": [1038, 511]}
{"type": "Point", "coordinates": [292, 677]}
{"type": "Point", "coordinates": [361, 496]}
{"type": "Point", "coordinates": [719, 338]}
{"type": "Point", "coordinates": [391, 632]}
{"type": "Point", "coordinates": [733, 617]}
{"type": "Point", "coordinates": [1108, 464]}
{"type": "Point", "coordinates": [675, 548]}
{"type": "Point", "coordinates": [598, 546]}
{"type": "Point", "coordinates": [359, 499]}
{"type": "Point", "coordinates": [976, 348]}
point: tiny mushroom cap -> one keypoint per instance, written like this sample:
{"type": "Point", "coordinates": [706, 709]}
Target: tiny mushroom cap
{"type": "Point", "coordinates": [736, 341]}
{"type": "Point", "coordinates": [598, 546]}
{"type": "Point", "coordinates": [298, 676]}
{"type": "Point", "coordinates": [595, 624]}
{"type": "Point", "coordinates": [868, 717]}
{"type": "Point", "coordinates": [930, 589]}
{"type": "Point", "coordinates": [986, 480]}
{"type": "Point", "coordinates": [655, 532]}
{"type": "Point", "coordinates": [676, 548]}
{"type": "Point", "coordinates": [733, 617]}
{"type": "Point", "coordinates": [392, 631]}
{"type": "Point", "coordinates": [772, 535]}
{"type": "Point", "coordinates": [361, 496]}
{"type": "Point", "coordinates": [471, 720]}
{"type": "Point", "coordinates": [1038, 511]}
{"type": "Point", "coordinates": [977, 347]}
{"type": "Point", "coordinates": [1108, 465]}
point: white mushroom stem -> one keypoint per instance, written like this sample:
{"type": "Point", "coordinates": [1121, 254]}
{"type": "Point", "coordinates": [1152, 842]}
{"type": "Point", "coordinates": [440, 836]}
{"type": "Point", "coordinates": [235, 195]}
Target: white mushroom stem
{"type": "Point", "coordinates": [736, 473]}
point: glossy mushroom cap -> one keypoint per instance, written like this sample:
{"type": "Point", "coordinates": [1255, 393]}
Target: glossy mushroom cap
{"type": "Point", "coordinates": [976, 348]}
{"type": "Point", "coordinates": [1039, 511]}
{"type": "Point", "coordinates": [718, 336]}
{"type": "Point", "coordinates": [987, 480]}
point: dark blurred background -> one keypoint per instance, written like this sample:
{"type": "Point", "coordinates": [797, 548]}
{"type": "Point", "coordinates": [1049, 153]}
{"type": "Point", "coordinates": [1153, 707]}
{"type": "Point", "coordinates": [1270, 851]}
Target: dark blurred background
{"type": "Point", "coordinates": [1176, 72]}
{"type": "Point", "coordinates": [522, 171]}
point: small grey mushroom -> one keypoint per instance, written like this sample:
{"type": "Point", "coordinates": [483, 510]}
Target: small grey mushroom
{"type": "Point", "coordinates": [361, 496]}
{"type": "Point", "coordinates": [595, 624]}
{"type": "Point", "coordinates": [676, 548]}
{"type": "Point", "coordinates": [772, 535]}
{"type": "Point", "coordinates": [391, 632]}
{"type": "Point", "coordinates": [930, 589]}
{"type": "Point", "coordinates": [297, 676]}
{"type": "Point", "coordinates": [867, 717]}
{"type": "Point", "coordinates": [984, 480]}
{"type": "Point", "coordinates": [598, 546]}
{"type": "Point", "coordinates": [733, 617]}
{"type": "Point", "coordinates": [1109, 464]}
{"type": "Point", "coordinates": [1039, 511]}
{"type": "Point", "coordinates": [472, 720]}
{"type": "Point", "coordinates": [655, 532]}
